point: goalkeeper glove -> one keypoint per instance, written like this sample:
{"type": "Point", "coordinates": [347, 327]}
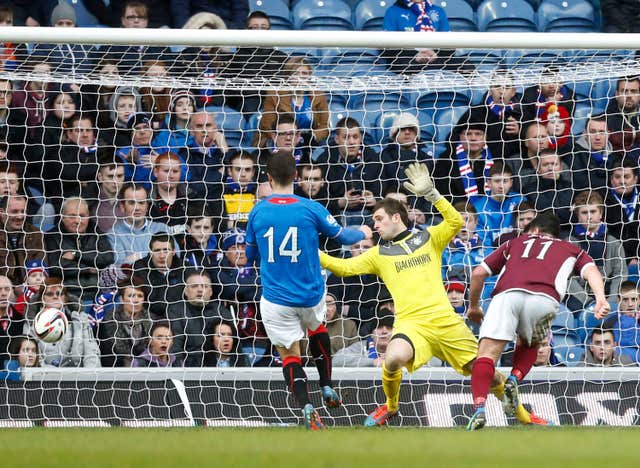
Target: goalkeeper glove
{"type": "Point", "coordinates": [420, 182]}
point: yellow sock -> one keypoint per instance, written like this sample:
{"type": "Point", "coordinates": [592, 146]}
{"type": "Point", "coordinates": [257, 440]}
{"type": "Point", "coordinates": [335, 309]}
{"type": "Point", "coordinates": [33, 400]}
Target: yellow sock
{"type": "Point", "coordinates": [391, 386]}
{"type": "Point", "coordinates": [522, 415]}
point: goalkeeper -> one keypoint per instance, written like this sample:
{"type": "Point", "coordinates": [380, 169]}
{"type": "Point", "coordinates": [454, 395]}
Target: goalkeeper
{"type": "Point", "coordinates": [410, 266]}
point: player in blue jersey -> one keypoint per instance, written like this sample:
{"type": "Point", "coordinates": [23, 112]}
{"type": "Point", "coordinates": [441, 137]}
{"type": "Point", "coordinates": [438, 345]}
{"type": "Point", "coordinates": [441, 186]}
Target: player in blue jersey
{"type": "Point", "coordinates": [283, 230]}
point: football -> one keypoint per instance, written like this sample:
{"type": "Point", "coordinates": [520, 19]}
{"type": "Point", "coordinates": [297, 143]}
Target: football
{"type": "Point", "coordinates": [50, 325]}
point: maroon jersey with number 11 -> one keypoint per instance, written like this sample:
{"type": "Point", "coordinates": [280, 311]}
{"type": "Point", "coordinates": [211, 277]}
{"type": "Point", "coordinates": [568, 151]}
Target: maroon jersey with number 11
{"type": "Point", "coordinates": [537, 264]}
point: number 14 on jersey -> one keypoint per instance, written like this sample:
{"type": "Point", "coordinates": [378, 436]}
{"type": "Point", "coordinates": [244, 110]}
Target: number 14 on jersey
{"type": "Point", "coordinates": [288, 246]}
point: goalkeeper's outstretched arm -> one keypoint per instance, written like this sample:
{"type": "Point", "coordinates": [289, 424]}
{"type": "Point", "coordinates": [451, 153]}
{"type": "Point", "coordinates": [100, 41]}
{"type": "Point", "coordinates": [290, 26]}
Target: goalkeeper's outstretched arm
{"type": "Point", "coordinates": [421, 184]}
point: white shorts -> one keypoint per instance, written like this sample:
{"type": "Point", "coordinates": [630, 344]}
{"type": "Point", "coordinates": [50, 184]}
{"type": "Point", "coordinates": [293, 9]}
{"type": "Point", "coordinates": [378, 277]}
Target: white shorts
{"type": "Point", "coordinates": [285, 325]}
{"type": "Point", "coordinates": [520, 314]}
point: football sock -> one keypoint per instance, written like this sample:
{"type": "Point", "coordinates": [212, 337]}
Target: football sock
{"type": "Point", "coordinates": [391, 386]}
{"type": "Point", "coordinates": [296, 379]}
{"type": "Point", "coordinates": [522, 415]}
{"type": "Point", "coordinates": [481, 378]}
{"type": "Point", "coordinates": [523, 359]}
{"type": "Point", "coordinates": [320, 347]}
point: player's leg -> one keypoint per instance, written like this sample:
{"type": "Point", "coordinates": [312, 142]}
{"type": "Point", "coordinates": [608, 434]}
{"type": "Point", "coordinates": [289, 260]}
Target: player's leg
{"type": "Point", "coordinates": [320, 347]}
{"type": "Point", "coordinates": [296, 379]}
{"type": "Point", "coordinates": [482, 378]}
{"type": "Point", "coordinates": [399, 352]}
{"type": "Point", "coordinates": [534, 324]}
{"type": "Point", "coordinates": [284, 329]}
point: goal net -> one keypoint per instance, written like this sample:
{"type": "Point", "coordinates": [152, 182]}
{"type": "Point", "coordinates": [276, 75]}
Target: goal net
{"type": "Point", "coordinates": [129, 165]}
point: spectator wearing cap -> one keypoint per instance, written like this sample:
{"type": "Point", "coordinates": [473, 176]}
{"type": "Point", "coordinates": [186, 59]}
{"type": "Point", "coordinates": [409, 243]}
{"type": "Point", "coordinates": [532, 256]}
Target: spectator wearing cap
{"type": "Point", "coordinates": [457, 294]}
{"type": "Point", "coordinates": [501, 115]}
{"type": "Point", "coordinates": [370, 351]}
{"type": "Point", "coordinates": [139, 154]}
{"type": "Point", "coordinates": [64, 58]}
{"type": "Point", "coordinates": [176, 135]}
{"type": "Point", "coordinates": [204, 158]}
{"type": "Point", "coordinates": [37, 271]}
{"type": "Point", "coordinates": [239, 285]}
{"type": "Point", "coordinates": [404, 148]}
{"type": "Point", "coordinates": [124, 103]}
{"type": "Point", "coordinates": [463, 172]}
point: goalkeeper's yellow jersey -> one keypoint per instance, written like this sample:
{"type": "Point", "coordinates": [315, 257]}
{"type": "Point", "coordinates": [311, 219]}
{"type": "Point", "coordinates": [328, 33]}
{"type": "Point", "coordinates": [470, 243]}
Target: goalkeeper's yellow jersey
{"type": "Point", "coordinates": [411, 268]}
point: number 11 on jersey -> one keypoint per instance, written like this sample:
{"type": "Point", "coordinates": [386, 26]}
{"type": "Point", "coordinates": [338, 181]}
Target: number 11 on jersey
{"type": "Point", "coordinates": [283, 251]}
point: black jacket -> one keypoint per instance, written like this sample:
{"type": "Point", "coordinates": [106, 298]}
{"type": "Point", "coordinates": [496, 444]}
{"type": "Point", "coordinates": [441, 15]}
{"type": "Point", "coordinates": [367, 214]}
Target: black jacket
{"type": "Point", "coordinates": [163, 290]}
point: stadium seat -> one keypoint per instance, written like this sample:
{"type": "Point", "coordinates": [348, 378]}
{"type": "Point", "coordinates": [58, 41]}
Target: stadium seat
{"type": "Point", "coordinates": [481, 58]}
{"type": "Point", "coordinates": [506, 16]}
{"type": "Point", "coordinates": [322, 15]}
{"type": "Point", "coordinates": [527, 57]}
{"type": "Point", "coordinates": [231, 122]}
{"type": "Point", "coordinates": [444, 121]}
{"type": "Point", "coordinates": [566, 350]}
{"type": "Point", "coordinates": [564, 323]}
{"type": "Point", "coordinates": [369, 14]}
{"type": "Point", "coordinates": [567, 16]}
{"type": "Point", "coordinates": [460, 15]}
{"type": "Point", "coordinates": [250, 129]}
{"type": "Point", "coordinates": [278, 11]}
{"type": "Point", "coordinates": [374, 101]}
{"type": "Point", "coordinates": [443, 98]}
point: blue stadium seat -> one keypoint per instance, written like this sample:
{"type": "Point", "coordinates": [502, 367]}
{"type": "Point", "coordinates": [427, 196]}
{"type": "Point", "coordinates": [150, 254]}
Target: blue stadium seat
{"type": "Point", "coordinates": [566, 350]}
{"type": "Point", "coordinates": [369, 14]}
{"type": "Point", "coordinates": [444, 121]}
{"type": "Point", "coordinates": [231, 122]}
{"type": "Point", "coordinates": [564, 323]}
{"type": "Point", "coordinates": [485, 58]}
{"type": "Point", "coordinates": [567, 16]}
{"type": "Point", "coordinates": [528, 57]}
{"type": "Point", "coordinates": [506, 15]}
{"type": "Point", "coordinates": [373, 101]}
{"type": "Point", "coordinates": [581, 115]}
{"type": "Point", "coordinates": [278, 11]}
{"type": "Point", "coordinates": [250, 128]}
{"type": "Point", "coordinates": [443, 98]}
{"type": "Point", "coordinates": [460, 14]}
{"type": "Point", "coordinates": [322, 15]}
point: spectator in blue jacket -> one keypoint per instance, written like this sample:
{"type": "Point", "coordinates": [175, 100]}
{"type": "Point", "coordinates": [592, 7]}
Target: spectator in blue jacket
{"type": "Point", "coordinates": [24, 353]}
{"type": "Point", "coordinates": [466, 250]}
{"type": "Point", "coordinates": [415, 15]}
{"type": "Point", "coordinates": [624, 323]}
{"type": "Point", "coordinates": [496, 209]}
{"type": "Point", "coordinates": [176, 135]}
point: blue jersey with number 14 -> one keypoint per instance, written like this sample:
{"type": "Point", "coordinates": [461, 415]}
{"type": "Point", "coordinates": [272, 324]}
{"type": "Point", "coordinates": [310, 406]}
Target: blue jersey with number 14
{"type": "Point", "coordinates": [285, 229]}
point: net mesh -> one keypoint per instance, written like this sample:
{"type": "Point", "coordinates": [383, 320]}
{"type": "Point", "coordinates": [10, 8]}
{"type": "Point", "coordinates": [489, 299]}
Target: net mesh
{"type": "Point", "coordinates": [117, 146]}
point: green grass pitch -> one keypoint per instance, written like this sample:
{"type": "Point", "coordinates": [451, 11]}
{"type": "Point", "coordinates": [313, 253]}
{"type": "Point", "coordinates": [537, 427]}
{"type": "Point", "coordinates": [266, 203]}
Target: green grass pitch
{"type": "Point", "coordinates": [340, 447]}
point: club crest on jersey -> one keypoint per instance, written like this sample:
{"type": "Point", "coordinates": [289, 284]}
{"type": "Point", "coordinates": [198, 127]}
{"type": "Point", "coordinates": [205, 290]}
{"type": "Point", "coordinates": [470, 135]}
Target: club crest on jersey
{"type": "Point", "coordinates": [331, 219]}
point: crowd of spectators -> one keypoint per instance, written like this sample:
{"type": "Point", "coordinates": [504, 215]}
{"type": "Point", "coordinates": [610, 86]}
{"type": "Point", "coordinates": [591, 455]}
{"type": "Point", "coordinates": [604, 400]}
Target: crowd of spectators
{"type": "Point", "coordinates": [125, 206]}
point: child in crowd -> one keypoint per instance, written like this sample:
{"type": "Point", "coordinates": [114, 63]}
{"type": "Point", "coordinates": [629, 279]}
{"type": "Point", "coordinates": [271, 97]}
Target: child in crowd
{"type": "Point", "coordinates": [24, 353]}
{"type": "Point", "coordinates": [158, 352]}
{"type": "Point", "coordinates": [36, 273]}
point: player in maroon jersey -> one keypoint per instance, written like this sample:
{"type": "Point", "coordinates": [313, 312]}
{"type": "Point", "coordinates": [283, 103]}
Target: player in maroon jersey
{"type": "Point", "coordinates": [534, 270]}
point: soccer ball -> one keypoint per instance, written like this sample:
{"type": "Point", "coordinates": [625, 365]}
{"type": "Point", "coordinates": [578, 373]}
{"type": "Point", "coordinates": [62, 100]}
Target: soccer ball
{"type": "Point", "coordinates": [50, 325]}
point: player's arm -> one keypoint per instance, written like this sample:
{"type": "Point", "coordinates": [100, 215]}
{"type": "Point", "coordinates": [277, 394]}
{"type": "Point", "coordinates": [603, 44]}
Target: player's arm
{"type": "Point", "coordinates": [328, 226]}
{"type": "Point", "coordinates": [421, 184]}
{"type": "Point", "coordinates": [251, 248]}
{"type": "Point", "coordinates": [363, 264]}
{"type": "Point", "coordinates": [591, 274]}
{"type": "Point", "coordinates": [489, 267]}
